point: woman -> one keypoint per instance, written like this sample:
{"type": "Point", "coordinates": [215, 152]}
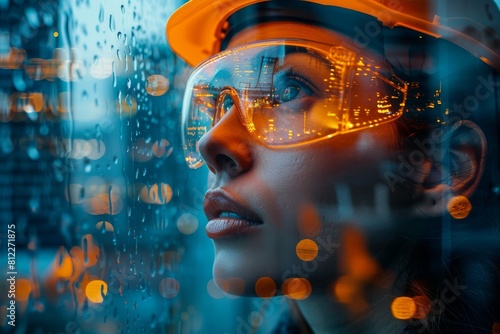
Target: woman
{"type": "Point", "coordinates": [354, 159]}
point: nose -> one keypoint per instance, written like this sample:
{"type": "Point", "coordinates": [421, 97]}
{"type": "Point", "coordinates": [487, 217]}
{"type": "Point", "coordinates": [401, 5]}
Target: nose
{"type": "Point", "coordinates": [227, 147]}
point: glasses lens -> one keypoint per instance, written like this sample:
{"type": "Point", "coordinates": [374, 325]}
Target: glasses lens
{"type": "Point", "coordinates": [289, 93]}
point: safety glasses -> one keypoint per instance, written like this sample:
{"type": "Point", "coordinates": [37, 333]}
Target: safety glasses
{"type": "Point", "coordinates": [288, 93]}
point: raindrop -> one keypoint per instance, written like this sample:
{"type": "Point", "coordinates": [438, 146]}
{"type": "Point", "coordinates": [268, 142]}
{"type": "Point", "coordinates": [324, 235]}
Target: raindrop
{"type": "Point", "coordinates": [111, 23]}
{"type": "Point", "coordinates": [128, 100]}
{"type": "Point", "coordinates": [87, 166]}
{"type": "Point", "coordinates": [118, 55]}
{"type": "Point", "coordinates": [144, 172]}
{"type": "Point", "coordinates": [110, 197]}
{"type": "Point", "coordinates": [119, 35]}
{"type": "Point", "coordinates": [85, 250]}
{"type": "Point", "coordinates": [103, 228]}
{"type": "Point", "coordinates": [101, 14]}
{"type": "Point", "coordinates": [115, 160]}
{"type": "Point", "coordinates": [123, 9]}
{"type": "Point", "coordinates": [129, 83]}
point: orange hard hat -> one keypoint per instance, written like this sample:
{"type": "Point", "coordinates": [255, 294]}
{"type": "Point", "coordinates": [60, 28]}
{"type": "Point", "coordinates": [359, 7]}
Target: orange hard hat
{"type": "Point", "coordinates": [195, 31]}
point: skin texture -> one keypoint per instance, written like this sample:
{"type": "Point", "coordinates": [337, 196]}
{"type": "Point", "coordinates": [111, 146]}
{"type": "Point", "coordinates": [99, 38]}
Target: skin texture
{"type": "Point", "coordinates": [340, 180]}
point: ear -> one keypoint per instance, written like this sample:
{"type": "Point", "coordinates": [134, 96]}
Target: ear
{"type": "Point", "coordinates": [453, 168]}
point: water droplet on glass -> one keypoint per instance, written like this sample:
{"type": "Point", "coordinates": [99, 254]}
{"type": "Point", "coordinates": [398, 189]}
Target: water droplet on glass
{"type": "Point", "coordinates": [118, 54]}
{"type": "Point", "coordinates": [101, 14]}
{"type": "Point", "coordinates": [88, 167]}
{"type": "Point", "coordinates": [111, 23]}
{"type": "Point", "coordinates": [119, 35]}
{"type": "Point", "coordinates": [128, 100]}
{"type": "Point", "coordinates": [115, 160]}
{"type": "Point", "coordinates": [123, 9]}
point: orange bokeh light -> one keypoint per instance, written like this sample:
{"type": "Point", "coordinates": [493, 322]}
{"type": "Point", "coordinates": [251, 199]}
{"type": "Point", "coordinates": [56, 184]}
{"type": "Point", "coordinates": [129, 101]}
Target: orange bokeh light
{"type": "Point", "coordinates": [265, 287]}
{"type": "Point", "coordinates": [403, 308]}
{"type": "Point", "coordinates": [309, 221]}
{"type": "Point", "coordinates": [306, 250]}
{"type": "Point", "coordinates": [234, 285]}
{"type": "Point", "coordinates": [23, 289]}
{"type": "Point", "coordinates": [423, 306]}
{"type": "Point", "coordinates": [63, 264]}
{"type": "Point", "coordinates": [296, 288]}
{"type": "Point", "coordinates": [346, 290]}
{"type": "Point", "coordinates": [157, 85]}
{"type": "Point", "coordinates": [96, 290]}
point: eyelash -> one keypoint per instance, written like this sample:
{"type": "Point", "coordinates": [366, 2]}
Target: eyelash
{"type": "Point", "coordinates": [289, 74]}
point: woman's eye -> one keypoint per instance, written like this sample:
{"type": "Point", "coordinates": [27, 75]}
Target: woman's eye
{"type": "Point", "coordinates": [289, 93]}
{"type": "Point", "coordinates": [289, 87]}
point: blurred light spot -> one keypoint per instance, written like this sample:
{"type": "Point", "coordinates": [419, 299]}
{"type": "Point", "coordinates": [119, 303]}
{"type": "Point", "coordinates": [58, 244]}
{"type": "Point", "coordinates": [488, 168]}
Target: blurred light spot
{"type": "Point", "coordinates": [14, 59]}
{"type": "Point", "coordinates": [496, 328]}
{"type": "Point", "coordinates": [23, 289]}
{"type": "Point", "coordinates": [70, 70]}
{"type": "Point", "coordinates": [265, 287]}
{"type": "Point", "coordinates": [102, 68]}
{"type": "Point", "coordinates": [90, 250]}
{"type": "Point", "coordinates": [403, 308]}
{"type": "Point", "coordinates": [309, 221]}
{"type": "Point", "coordinates": [187, 223]}
{"type": "Point", "coordinates": [306, 250]}
{"type": "Point", "coordinates": [213, 290]}
{"type": "Point", "coordinates": [142, 151]}
{"type": "Point", "coordinates": [423, 306]}
{"type": "Point", "coordinates": [77, 257]}
{"type": "Point", "coordinates": [169, 287]}
{"type": "Point", "coordinates": [127, 106]}
{"type": "Point", "coordinates": [96, 290]}
{"type": "Point", "coordinates": [296, 288]}
{"type": "Point", "coordinates": [97, 149]}
{"type": "Point", "coordinates": [56, 34]}
{"type": "Point", "coordinates": [104, 226]}
{"type": "Point", "coordinates": [346, 290]}
{"type": "Point", "coordinates": [101, 204]}
{"type": "Point", "coordinates": [160, 148]}
{"type": "Point", "coordinates": [355, 259]}
{"type": "Point", "coordinates": [75, 193]}
{"type": "Point", "coordinates": [63, 264]}
{"type": "Point", "coordinates": [459, 207]}
{"type": "Point", "coordinates": [157, 85]}
{"type": "Point", "coordinates": [154, 195]}
{"type": "Point", "coordinates": [234, 285]}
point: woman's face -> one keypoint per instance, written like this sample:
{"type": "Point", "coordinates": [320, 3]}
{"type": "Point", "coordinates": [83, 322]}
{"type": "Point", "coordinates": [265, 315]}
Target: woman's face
{"type": "Point", "coordinates": [264, 201]}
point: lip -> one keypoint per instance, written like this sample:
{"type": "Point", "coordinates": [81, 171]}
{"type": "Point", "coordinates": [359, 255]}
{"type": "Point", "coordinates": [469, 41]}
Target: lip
{"type": "Point", "coordinates": [228, 217]}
